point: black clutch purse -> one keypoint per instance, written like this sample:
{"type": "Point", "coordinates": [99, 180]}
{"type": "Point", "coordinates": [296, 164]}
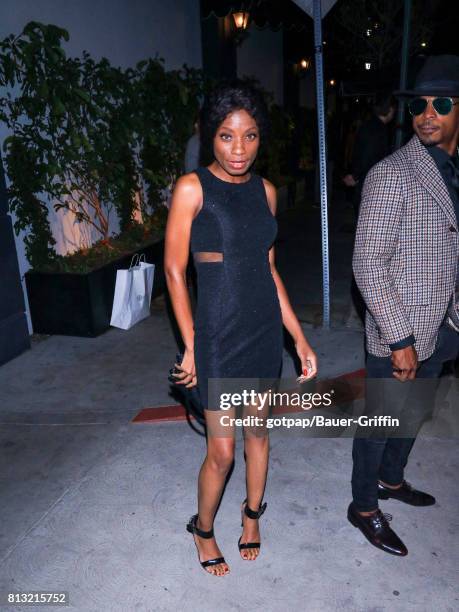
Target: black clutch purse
{"type": "Point", "coordinates": [189, 395]}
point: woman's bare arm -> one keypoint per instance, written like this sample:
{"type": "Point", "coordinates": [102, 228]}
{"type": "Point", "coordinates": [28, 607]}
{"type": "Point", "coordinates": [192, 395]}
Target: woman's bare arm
{"type": "Point", "coordinates": [289, 319]}
{"type": "Point", "coordinates": [185, 204]}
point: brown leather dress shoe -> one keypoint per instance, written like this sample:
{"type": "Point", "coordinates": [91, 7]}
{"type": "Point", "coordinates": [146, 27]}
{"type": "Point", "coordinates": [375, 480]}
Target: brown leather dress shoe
{"type": "Point", "coordinates": [406, 494]}
{"type": "Point", "coordinates": [377, 531]}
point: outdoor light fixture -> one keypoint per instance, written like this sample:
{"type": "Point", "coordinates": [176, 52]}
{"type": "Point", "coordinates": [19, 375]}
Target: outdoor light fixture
{"type": "Point", "coordinates": [332, 82]}
{"type": "Point", "coordinates": [423, 44]}
{"type": "Point", "coordinates": [367, 65]}
{"type": "Point", "coordinates": [305, 63]}
{"type": "Point", "coordinates": [241, 19]}
{"type": "Point", "coordinates": [368, 32]}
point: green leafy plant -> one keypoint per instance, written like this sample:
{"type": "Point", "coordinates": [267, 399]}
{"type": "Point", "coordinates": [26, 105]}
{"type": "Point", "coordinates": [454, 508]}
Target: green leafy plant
{"type": "Point", "coordinates": [25, 113]}
{"type": "Point", "coordinates": [166, 106]}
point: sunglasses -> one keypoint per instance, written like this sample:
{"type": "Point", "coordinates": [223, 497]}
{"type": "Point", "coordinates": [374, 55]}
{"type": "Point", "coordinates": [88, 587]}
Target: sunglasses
{"type": "Point", "coordinates": [442, 106]}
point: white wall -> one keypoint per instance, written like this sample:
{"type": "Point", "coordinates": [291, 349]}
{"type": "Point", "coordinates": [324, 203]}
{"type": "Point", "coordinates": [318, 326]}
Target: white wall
{"type": "Point", "coordinates": [124, 31]}
{"type": "Point", "coordinates": [260, 55]}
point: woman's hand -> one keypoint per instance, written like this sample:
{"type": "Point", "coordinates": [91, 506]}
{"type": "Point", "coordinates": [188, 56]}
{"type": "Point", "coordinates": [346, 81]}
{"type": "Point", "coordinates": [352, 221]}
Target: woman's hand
{"type": "Point", "coordinates": [187, 370]}
{"type": "Point", "coordinates": [308, 360]}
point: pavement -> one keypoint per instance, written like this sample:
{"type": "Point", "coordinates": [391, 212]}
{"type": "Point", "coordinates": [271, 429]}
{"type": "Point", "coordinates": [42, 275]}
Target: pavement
{"type": "Point", "coordinates": [96, 506]}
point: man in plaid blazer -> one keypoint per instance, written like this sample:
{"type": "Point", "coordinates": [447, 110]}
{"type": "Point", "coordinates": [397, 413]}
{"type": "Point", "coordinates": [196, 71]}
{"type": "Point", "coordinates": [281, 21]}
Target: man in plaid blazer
{"type": "Point", "coordinates": [406, 267]}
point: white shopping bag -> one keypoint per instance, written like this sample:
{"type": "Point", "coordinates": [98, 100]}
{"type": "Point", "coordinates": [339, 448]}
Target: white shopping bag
{"type": "Point", "coordinates": [133, 290]}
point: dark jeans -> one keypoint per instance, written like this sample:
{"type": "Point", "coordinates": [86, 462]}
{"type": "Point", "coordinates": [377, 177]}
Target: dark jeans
{"type": "Point", "coordinates": [385, 458]}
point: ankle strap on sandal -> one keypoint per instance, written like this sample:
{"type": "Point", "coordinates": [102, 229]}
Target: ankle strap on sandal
{"type": "Point", "coordinates": [199, 532]}
{"type": "Point", "coordinates": [252, 513]}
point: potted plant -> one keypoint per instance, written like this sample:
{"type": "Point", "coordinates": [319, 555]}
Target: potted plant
{"type": "Point", "coordinates": [74, 296]}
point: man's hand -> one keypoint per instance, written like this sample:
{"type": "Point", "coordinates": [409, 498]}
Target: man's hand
{"type": "Point", "coordinates": [405, 363]}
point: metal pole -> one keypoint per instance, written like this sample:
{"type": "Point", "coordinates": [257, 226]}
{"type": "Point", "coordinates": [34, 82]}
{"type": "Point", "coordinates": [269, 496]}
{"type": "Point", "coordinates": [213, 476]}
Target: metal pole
{"type": "Point", "coordinates": [403, 72]}
{"type": "Point", "coordinates": [322, 159]}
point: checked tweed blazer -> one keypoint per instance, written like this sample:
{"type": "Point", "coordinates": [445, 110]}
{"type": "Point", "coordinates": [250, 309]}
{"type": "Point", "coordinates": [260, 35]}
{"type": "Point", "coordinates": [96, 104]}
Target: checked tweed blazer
{"type": "Point", "coordinates": [406, 250]}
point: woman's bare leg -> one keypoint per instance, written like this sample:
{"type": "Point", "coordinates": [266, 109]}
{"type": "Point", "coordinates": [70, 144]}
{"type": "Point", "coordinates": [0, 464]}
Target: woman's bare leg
{"type": "Point", "coordinates": [212, 477]}
{"type": "Point", "coordinates": [256, 450]}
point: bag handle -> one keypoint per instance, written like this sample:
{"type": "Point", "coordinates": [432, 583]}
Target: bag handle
{"type": "Point", "coordinates": [136, 259]}
{"type": "Point", "coordinates": [142, 258]}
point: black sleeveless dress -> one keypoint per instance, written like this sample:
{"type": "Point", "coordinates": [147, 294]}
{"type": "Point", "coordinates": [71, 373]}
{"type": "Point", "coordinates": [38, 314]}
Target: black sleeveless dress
{"type": "Point", "coordinates": [238, 323]}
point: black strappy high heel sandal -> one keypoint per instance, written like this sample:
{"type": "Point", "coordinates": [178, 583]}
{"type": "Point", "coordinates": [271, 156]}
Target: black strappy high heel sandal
{"type": "Point", "coordinates": [253, 515]}
{"type": "Point", "coordinates": [193, 528]}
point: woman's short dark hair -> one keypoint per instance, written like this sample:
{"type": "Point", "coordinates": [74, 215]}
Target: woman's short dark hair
{"type": "Point", "coordinates": [225, 99]}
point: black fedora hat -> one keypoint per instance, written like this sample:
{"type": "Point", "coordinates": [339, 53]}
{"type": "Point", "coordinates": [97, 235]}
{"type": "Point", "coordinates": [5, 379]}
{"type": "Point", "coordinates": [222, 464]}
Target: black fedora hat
{"type": "Point", "coordinates": [438, 77]}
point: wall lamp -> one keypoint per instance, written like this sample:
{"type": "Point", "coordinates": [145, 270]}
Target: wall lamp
{"type": "Point", "coordinates": [241, 19]}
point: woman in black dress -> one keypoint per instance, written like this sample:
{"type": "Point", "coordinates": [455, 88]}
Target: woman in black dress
{"type": "Point", "coordinates": [225, 214]}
